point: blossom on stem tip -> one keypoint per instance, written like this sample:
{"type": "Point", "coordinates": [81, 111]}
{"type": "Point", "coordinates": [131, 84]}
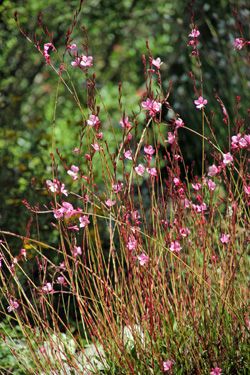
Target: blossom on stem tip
{"type": "Point", "coordinates": [93, 120]}
{"type": "Point", "coordinates": [131, 243]}
{"type": "Point", "coordinates": [140, 170]}
{"type": "Point", "coordinates": [83, 61]}
{"type": "Point", "coordinates": [216, 371]}
{"type": "Point", "coordinates": [149, 150]}
{"type": "Point", "coordinates": [47, 288]}
{"type": "Point", "coordinates": [175, 247]}
{"type": "Point", "coordinates": [167, 365]}
{"type": "Point", "coordinates": [124, 122]}
{"type": "Point", "coordinates": [200, 102]}
{"type": "Point", "coordinates": [157, 62]}
{"type": "Point", "coordinates": [238, 44]}
{"type": "Point", "coordinates": [73, 172]}
{"type": "Point", "coordinates": [211, 185]}
{"type": "Point", "coordinates": [143, 259]}
{"type": "Point", "coordinates": [152, 105]}
{"type": "Point", "coordinates": [55, 187]}
{"type": "Point", "coordinates": [179, 123]}
{"type": "Point", "coordinates": [194, 33]}
{"type": "Point", "coordinates": [84, 221]}
{"type": "Point", "coordinates": [152, 172]}
{"type": "Point", "coordinates": [184, 232]}
{"type": "Point", "coordinates": [110, 203]}
{"type": "Point", "coordinates": [72, 46]}
{"type": "Point", "coordinates": [96, 147]}
{"type": "Point", "coordinates": [227, 158]}
{"type": "Point", "coordinates": [77, 251]}
{"type": "Point", "coordinates": [13, 305]}
{"type": "Point", "coordinates": [128, 154]}
{"type": "Point", "coordinates": [117, 187]}
{"type": "Point", "coordinates": [213, 170]}
{"type": "Point", "coordinates": [247, 190]}
{"type": "Point", "coordinates": [225, 238]}
{"type": "Point", "coordinates": [171, 138]}
{"type": "Point", "coordinates": [60, 280]}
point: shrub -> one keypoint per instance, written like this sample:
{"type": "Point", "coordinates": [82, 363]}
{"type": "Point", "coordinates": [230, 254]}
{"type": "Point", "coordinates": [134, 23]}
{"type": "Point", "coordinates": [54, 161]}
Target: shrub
{"type": "Point", "coordinates": [151, 270]}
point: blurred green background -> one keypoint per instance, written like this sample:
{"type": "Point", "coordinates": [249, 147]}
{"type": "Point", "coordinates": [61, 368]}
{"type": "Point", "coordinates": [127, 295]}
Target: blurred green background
{"type": "Point", "coordinates": [117, 32]}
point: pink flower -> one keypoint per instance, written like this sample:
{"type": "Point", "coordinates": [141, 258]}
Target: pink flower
{"type": "Point", "coordinates": [60, 280]}
{"type": "Point", "coordinates": [96, 147]}
{"type": "Point", "coordinates": [184, 232]}
{"type": "Point", "coordinates": [247, 190]}
{"type": "Point", "coordinates": [143, 259]}
{"type": "Point", "coordinates": [200, 102]}
{"type": "Point", "coordinates": [73, 46]}
{"type": "Point", "coordinates": [152, 172]}
{"type": "Point", "coordinates": [179, 123]}
{"type": "Point", "coordinates": [227, 158]}
{"type": "Point", "coordinates": [175, 247]}
{"type": "Point", "coordinates": [125, 122]}
{"type": "Point", "coordinates": [243, 142]}
{"type": "Point", "coordinates": [216, 371]}
{"type": "Point", "coordinates": [110, 203]}
{"type": "Point", "coordinates": [185, 203]}
{"type": "Point", "coordinates": [73, 172]}
{"type": "Point", "coordinates": [131, 243]}
{"type": "Point", "coordinates": [99, 136]}
{"type": "Point", "coordinates": [176, 181]}
{"type": "Point", "coordinates": [171, 138]}
{"type": "Point", "coordinates": [86, 61]}
{"type": "Point", "coordinates": [211, 185]}
{"type": "Point", "coordinates": [135, 214]}
{"type": "Point", "coordinates": [149, 150]}
{"type": "Point", "coordinates": [83, 221]}
{"type": "Point", "coordinates": [196, 186]}
{"type": "Point", "coordinates": [56, 188]}
{"type": "Point", "coordinates": [13, 305]}
{"type": "Point", "coordinates": [157, 62]}
{"type": "Point", "coordinates": [213, 170]}
{"type": "Point", "coordinates": [45, 53]}
{"type": "Point", "coordinates": [235, 139]}
{"type": "Point", "coordinates": [118, 187]}
{"type": "Point", "coordinates": [77, 62]}
{"type": "Point", "coordinates": [225, 238]}
{"type": "Point", "coordinates": [194, 33]}
{"type": "Point", "coordinates": [23, 254]}
{"type": "Point", "coordinates": [68, 210]}
{"type": "Point", "coordinates": [238, 44]}
{"type": "Point", "coordinates": [247, 138]}
{"type": "Point", "coordinates": [47, 46]}
{"type": "Point", "coordinates": [77, 251]}
{"type": "Point", "coordinates": [93, 120]}
{"type": "Point", "coordinates": [140, 170]}
{"type": "Point", "coordinates": [200, 208]}
{"type": "Point", "coordinates": [128, 154]}
{"type": "Point", "coordinates": [76, 150]}
{"type": "Point", "coordinates": [152, 105]}
{"type": "Point", "coordinates": [47, 288]}
{"type": "Point", "coordinates": [74, 227]}
{"type": "Point", "coordinates": [167, 365]}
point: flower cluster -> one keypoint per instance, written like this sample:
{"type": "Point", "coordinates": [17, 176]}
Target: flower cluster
{"type": "Point", "coordinates": [240, 141]}
{"type": "Point", "coordinates": [56, 187]}
{"type": "Point", "coordinates": [46, 54]}
{"type": "Point", "coordinates": [194, 34]}
{"type": "Point", "coordinates": [152, 105]}
{"type": "Point", "coordinates": [84, 61]}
